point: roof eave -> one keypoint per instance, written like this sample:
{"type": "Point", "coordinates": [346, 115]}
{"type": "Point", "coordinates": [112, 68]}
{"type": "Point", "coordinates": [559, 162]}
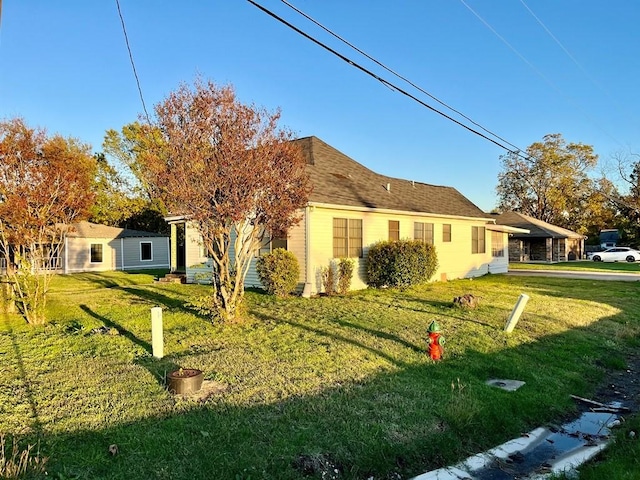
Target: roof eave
{"type": "Point", "coordinates": [392, 211]}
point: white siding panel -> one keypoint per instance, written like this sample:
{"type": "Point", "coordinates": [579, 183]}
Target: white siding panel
{"type": "Point", "coordinates": [79, 255]}
{"type": "Point", "coordinates": [252, 280]}
{"type": "Point", "coordinates": [454, 258]}
{"type": "Point", "coordinates": [193, 246]}
{"type": "Point", "coordinates": [132, 253]}
{"type": "Point", "coordinates": [296, 238]}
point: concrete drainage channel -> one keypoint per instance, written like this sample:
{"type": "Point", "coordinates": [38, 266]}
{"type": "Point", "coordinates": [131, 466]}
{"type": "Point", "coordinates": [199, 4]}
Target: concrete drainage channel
{"type": "Point", "coordinates": [540, 453]}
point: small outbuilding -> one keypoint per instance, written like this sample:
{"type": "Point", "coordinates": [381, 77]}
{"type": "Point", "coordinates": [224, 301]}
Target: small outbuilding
{"type": "Point", "coordinates": [544, 242]}
{"type": "Point", "coordinates": [90, 247]}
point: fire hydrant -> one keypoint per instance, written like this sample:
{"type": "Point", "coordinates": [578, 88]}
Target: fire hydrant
{"type": "Point", "coordinates": [435, 341]}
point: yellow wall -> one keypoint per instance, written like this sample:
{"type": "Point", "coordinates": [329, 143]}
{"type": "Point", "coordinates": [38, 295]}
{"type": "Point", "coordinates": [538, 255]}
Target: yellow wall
{"type": "Point", "coordinates": [454, 258]}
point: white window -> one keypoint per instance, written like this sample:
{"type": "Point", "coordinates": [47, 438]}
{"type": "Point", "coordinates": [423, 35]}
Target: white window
{"type": "Point", "coordinates": [477, 240]}
{"type": "Point", "coordinates": [446, 232]}
{"type": "Point", "coordinates": [497, 244]}
{"type": "Point", "coordinates": [146, 251]}
{"type": "Point", "coordinates": [96, 253]}
{"type": "Point", "coordinates": [423, 232]}
{"type": "Point", "coordinates": [394, 230]}
{"type": "Point", "coordinates": [347, 238]}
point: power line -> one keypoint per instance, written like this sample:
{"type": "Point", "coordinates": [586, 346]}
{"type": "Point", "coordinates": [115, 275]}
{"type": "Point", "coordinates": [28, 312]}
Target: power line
{"type": "Point", "coordinates": [133, 65]}
{"type": "Point", "coordinates": [383, 81]}
{"type": "Point", "coordinates": [569, 100]}
{"type": "Point", "coordinates": [417, 87]}
{"type": "Point", "coordinates": [573, 59]}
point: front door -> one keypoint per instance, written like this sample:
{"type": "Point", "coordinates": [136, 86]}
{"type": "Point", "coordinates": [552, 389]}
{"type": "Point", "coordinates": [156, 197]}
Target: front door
{"type": "Point", "coordinates": [180, 248]}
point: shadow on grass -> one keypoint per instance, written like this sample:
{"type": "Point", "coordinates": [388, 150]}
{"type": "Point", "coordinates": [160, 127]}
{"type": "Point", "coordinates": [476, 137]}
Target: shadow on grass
{"type": "Point", "coordinates": [155, 296]}
{"type": "Point", "coordinates": [437, 308]}
{"type": "Point", "coordinates": [111, 279]}
{"type": "Point", "coordinates": [122, 331]}
{"type": "Point", "coordinates": [25, 379]}
{"type": "Point", "coordinates": [334, 336]}
{"type": "Point", "coordinates": [158, 367]}
{"type": "Point", "coordinates": [405, 421]}
{"type": "Point", "coordinates": [382, 335]}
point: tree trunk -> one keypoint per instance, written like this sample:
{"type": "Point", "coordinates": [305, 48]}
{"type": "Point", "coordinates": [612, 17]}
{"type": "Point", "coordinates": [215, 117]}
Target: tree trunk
{"type": "Point", "coordinates": [7, 301]}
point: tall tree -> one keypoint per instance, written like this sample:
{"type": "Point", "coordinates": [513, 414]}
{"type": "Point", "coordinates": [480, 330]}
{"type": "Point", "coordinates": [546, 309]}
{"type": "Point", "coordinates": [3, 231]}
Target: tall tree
{"type": "Point", "coordinates": [147, 210]}
{"type": "Point", "coordinates": [627, 200]}
{"type": "Point", "coordinates": [602, 211]}
{"type": "Point", "coordinates": [45, 185]}
{"type": "Point", "coordinates": [119, 204]}
{"type": "Point", "coordinates": [230, 170]}
{"type": "Point", "coordinates": [550, 182]}
{"type": "Point", "coordinates": [126, 147]}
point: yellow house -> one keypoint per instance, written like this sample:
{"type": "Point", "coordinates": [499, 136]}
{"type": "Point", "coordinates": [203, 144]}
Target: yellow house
{"type": "Point", "coordinates": [352, 207]}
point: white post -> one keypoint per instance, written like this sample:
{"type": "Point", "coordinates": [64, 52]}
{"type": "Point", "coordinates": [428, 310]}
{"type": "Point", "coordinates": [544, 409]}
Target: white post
{"type": "Point", "coordinates": [515, 314]}
{"type": "Point", "coordinates": [156, 332]}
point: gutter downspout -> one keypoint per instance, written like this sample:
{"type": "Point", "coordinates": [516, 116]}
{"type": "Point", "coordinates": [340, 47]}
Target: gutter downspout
{"type": "Point", "coordinates": [122, 253]}
{"type": "Point", "coordinates": [66, 254]}
{"type": "Point", "coordinates": [306, 291]}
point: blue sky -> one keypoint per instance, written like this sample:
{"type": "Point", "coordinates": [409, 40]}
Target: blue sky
{"type": "Point", "coordinates": [519, 68]}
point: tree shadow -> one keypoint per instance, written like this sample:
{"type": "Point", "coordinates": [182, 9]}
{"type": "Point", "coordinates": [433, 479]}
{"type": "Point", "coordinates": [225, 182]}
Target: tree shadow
{"type": "Point", "coordinates": [390, 424]}
{"type": "Point", "coordinates": [25, 377]}
{"type": "Point", "coordinates": [221, 438]}
{"type": "Point", "coordinates": [121, 329]}
{"type": "Point", "coordinates": [334, 336]}
{"type": "Point", "coordinates": [443, 309]}
{"type": "Point", "coordinates": [158, 367]}
{"type": "Point", "coordinates": [381, 334]}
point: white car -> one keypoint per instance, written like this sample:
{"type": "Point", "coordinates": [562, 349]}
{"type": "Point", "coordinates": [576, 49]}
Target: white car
{"type": "Point", "coordinates": [616, 254]}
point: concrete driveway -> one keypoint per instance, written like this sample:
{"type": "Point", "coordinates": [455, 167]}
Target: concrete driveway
{"type": "Point", "coordinates": [605, 276]}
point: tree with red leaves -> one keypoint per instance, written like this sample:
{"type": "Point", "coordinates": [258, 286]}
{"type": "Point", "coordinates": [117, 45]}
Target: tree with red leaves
{"type": "Point", "coordinates": [45, 186]}
{"type": "Point", "coordinates": [229, 169]}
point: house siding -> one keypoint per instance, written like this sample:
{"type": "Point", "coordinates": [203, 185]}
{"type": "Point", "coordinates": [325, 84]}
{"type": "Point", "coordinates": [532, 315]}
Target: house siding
{"type": "Point", "coordinates": [194, 259]}
{"type": "Point", "coordinates": [193, 246]}
{"type": "Point", "coordinates": [131, 256]}
{"type": "Point", "coordinates": [77, 254]}
{"type": "Point", "coordinates": [454, 258]}
{"type": "Point", "coordinates": [295, 244]}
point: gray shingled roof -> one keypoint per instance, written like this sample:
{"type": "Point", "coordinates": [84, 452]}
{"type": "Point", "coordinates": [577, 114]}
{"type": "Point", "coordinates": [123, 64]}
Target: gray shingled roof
{"type": "Point", "coordinates": [94, 230]}
{"type": "Point", "coordinates": [340, 180]}
{"type": "Point", "coordinates": [537, 228]}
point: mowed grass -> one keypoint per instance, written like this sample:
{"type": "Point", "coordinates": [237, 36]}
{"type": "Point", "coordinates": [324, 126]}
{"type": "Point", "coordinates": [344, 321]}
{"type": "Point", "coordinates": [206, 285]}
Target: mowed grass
{"type": "Point", "coordinates": [329, 387]}
{"type": "Point", "coordinates": [581, 265]}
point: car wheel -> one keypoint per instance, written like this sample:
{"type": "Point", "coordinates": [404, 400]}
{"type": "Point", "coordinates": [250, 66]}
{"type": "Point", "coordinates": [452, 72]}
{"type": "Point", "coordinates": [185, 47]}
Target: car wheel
{"type": "Point", "coordinates": [596, 258]}
{"type": "Point", "coordinates": [631, 259]}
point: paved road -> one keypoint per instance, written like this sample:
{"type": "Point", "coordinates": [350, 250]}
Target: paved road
{"type": "Point", "coordinates": [606, 276]}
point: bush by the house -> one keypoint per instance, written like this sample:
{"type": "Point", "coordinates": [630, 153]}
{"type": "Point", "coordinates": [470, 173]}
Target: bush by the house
{"type": "Point", "coordinates": [400, 263]}
{"type": "Point", "coordinates": [279, 272]}
{"type": "Point", "coordinates": [345, 274]}
{"type": "Point", "coordinates": [329, 279]}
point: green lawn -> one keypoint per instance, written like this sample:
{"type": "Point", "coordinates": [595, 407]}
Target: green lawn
{"type": "Point", "coordinates": [585, 265]}
{"type": "Point", "coordinates": [330, 387]}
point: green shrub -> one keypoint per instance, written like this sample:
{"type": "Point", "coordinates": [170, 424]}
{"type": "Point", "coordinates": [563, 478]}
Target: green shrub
{"type": "Point", "coordinates": [279, 272]}
{"type": "Point", "coordinates": [345, 274]}
{"type": "Point", "coordinates": [400, 263]}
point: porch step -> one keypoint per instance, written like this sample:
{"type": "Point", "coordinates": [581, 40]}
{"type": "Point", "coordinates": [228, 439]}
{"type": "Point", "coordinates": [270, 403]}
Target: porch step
{"type": "Point", "coordinates": [174, 278]}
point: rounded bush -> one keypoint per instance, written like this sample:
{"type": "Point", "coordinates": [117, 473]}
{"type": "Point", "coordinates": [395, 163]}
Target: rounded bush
{"type": "Point", "coordinates": [400, 263]}
{"type": "Point", "coordinates": [279, 272]}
